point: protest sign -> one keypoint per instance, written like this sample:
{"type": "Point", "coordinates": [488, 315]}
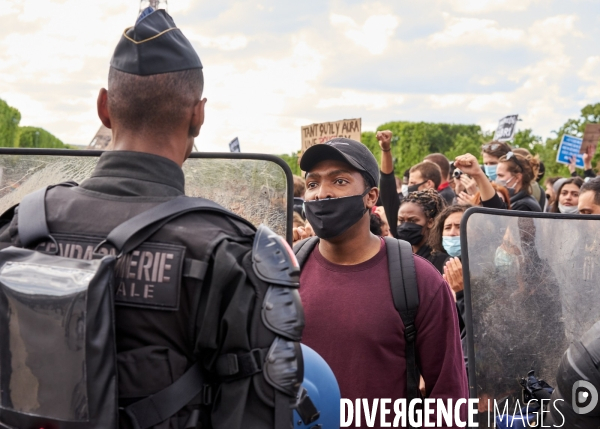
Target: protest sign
{"type": "Point", "coordinates": [591, 135]}
{"type": "Point", "coordinates": [506, 128]}
{"type": "Point", "coordinates": [321, 133]}
{"type": "Point", "coordinates": [569, 147]}
{"type": "Point", "coordinates": [234, 145]}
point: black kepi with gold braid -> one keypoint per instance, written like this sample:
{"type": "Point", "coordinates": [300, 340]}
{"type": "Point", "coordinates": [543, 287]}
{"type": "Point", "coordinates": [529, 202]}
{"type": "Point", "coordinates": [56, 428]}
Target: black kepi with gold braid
{"type": "Point", "coordinates": [153, 46]}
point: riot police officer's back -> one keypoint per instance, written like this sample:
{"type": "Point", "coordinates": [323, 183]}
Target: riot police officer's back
{"type": "Point", "coordinates": [190, 293]}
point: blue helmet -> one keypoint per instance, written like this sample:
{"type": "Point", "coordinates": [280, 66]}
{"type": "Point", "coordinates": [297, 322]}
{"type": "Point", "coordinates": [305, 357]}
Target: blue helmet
{"type": "Point", "coordinates": [318, 404]}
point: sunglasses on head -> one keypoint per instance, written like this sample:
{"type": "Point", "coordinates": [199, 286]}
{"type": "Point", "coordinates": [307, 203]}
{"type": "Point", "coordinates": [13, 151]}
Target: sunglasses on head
{"type": "Point", "coordinates": [491, 146]}
{"type": "Point", "coordinates": [513, 155]}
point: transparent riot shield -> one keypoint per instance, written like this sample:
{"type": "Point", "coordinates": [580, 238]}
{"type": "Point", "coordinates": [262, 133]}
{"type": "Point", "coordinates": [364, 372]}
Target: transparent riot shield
{"type": "Point", "coordinates": [531, 287]}
{"type": "Point", "coordinates": [255, 186]}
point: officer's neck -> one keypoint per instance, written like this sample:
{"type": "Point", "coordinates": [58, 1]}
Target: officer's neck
{"type": "Point", "coordinates": [353, 247]}
{"type": "Point", "coordinates": [172, 146]}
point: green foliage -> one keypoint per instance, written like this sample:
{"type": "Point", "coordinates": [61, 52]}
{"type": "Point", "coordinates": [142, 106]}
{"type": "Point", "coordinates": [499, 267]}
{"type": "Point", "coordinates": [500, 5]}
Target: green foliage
{"type": "Point", "coordinates": [11, 135]}
{"type": "Point", "coordinates": [590, 114]}
{"type": "Point", "coordinates": [9, 125]}
{"type": "Point", "coordinates": [413, 141]}
{"type": "Point", "coordinates": [292, 161]}
{"type": "Point", "coordinates": [32, 137]}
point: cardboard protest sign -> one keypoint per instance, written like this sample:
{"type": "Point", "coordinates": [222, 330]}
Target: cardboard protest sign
{"type": "Point", "coordinates": [591, 135]}
{"type": "Point", "coordinates": [506, 128]}
{"type": "Point", "coordinates": [234, 145]}
{"type": "Point", "coordinates": [569, 147]}
{"type": "Point", "coordinates": [321, 133]}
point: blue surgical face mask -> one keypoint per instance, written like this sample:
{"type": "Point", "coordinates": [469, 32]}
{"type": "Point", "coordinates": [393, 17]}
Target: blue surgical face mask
{"type": "Point", "coordinates": [452, 245]}
{"type": "Point", "coordinates": [490, 171]}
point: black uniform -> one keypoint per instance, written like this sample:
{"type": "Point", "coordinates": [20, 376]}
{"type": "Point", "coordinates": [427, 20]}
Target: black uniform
{"type": "Point", "coordinates": [186, 294]}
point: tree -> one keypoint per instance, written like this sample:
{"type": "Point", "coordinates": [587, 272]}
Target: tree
{"type": "Point", "coordinates": [9, 125]}
{"type": "Point", "coordinates": [292, 161]}
{"type": "Point", "coordinates": [590, 114]}
{"type": "Point", "coordinates": [413, 141]}
{"type": "Point", "coordinates": [33, 137]}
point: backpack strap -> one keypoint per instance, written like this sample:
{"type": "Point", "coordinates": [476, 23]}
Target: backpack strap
{"type": "Point", "coordinates": [304, 248]}
{"type": "Point", "coordinates": [31, 214]}
{"type": "Point", "coordinates": [157, 408]}
{"type": "Point", "coordinates": [403, 281]}
{"type": "Point", "coordinates": [133, 232]}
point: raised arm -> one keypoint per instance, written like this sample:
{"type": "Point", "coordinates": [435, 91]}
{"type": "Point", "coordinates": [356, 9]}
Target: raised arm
{"type": "Point", "coordinates": [387, 183]}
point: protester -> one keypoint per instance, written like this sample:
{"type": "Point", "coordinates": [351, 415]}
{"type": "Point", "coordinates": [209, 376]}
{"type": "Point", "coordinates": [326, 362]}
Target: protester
{"type": "Point", "coordinates": [299, 187]}
{"type": "Point", "coordinates": [446, 232]}
{"type": "Point", "coordinates": [588, 172]}
{"type": "Point", "coordinates": [425, 175]}
{"type": "Point", "coordinates": [550, 192]}
{"type": "Point", "coordinates": [492, 152]}
{"type": "Point", "coordinates": [468, 164]}
{"type": "Point", "coordinates": [416, 218]}
{"type": "Point", "coordinates": [345, 287]}
{"type": "Point", "coordinates": [298, 222]}
{"type": "Point", "coordinates": [536, 190]}
{"type": "Point", "coordinates": [501, 191]}
{"type": "Point", "coordinates": [385, 226]}
{"type": "Point", "coordinates": [516, 173]}
{"type": "Point", "coordinates": [444, 188]}
{"type": "Point", "coordinates": [375, 224]}
{"type": "Point", "coordinates": [568, 196]}
{"type": "Point", "coordinates": [589, 198]}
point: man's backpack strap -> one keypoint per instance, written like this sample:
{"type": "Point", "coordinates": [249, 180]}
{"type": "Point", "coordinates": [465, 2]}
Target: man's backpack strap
{"type": "Point", "coordinates": [304, 248]}
{"type": "Point", "coordinates": [405, 293]}
{"type": "Point", "coordinates": [159, 407]}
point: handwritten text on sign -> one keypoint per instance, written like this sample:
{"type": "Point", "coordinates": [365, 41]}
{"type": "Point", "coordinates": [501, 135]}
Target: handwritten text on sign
{"type": "Point", "coordinates": [321, 133]}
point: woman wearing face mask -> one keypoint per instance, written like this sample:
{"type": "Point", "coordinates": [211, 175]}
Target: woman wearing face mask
{"type": "Point", "coordinates": [492, 152]}
{"type": "Point", "coordinates": [415, 222]}
{"type": "Point", "coordinates": [446, 235]}
{"type": "Point", "coordinates": [536, 189]}
{"type": "Point", "coordinates": [516, 173]}
{"type": "Point", "coordinates": [568, 197]}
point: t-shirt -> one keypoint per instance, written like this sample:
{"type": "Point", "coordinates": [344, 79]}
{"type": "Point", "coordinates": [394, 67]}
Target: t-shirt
{"type": "Point", "coordinates": [352, 323]}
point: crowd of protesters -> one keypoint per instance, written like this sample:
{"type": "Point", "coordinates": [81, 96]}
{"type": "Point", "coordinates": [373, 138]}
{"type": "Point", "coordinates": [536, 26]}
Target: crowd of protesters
{"type": "Point", "coordinates": [424, 208]}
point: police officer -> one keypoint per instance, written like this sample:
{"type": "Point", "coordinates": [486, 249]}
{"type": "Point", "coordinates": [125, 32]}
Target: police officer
{"type": "Point", "coordinates": [190, 293]}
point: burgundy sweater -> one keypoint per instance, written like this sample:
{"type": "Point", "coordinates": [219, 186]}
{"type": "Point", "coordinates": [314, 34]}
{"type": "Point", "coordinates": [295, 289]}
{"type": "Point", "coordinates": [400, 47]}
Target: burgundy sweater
{"type": "Point", "coordinates": [352, 323]}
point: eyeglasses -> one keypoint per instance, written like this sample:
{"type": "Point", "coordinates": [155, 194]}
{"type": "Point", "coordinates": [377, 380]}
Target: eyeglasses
{"type": "Point", "coordinates": [491, 146]}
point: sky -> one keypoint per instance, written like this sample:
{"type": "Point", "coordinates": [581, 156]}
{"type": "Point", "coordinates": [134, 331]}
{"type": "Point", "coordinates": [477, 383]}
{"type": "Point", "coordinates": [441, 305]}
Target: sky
{"type": "Point", "coordinates": [272, 66]}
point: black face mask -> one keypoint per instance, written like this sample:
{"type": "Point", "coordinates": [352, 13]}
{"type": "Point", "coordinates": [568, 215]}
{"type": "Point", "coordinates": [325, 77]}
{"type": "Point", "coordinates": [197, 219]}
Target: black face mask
{"type": "Point", "coordinates": [333, 216]}
{"type": "Point", "coordinates": [415, 188]}
{"type": "Point", "coordinates": [410, 232]}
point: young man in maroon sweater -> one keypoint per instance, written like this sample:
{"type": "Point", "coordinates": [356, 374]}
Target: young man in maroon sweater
{"type": "Point", "coordinates": [351, 320]}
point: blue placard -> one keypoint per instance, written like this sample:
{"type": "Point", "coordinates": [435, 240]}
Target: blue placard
{"type": "Point", "coordinates": [569, 147]}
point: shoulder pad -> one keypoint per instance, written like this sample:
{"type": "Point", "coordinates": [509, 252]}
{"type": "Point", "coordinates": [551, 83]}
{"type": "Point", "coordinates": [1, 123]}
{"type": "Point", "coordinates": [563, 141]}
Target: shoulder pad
{"type": "Point", "coordinates": [273, 259]}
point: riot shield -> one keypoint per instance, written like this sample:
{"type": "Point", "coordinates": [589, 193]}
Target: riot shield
{"type": "Point", "coordinates": [531, 287]}
{"type": "Point", "coordinates": [257, 187]}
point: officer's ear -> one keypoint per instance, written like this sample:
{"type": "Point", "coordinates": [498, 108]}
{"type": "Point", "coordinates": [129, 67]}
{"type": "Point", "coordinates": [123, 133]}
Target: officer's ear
{"type": "Point", "coordinates": [197, 119]}
{"type": "Point", "coordinates": [102, 107]}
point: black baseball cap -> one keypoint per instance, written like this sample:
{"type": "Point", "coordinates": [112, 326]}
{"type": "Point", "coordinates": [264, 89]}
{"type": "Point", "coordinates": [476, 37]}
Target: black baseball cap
{"type": "Point", "coordinates": [346, 150]}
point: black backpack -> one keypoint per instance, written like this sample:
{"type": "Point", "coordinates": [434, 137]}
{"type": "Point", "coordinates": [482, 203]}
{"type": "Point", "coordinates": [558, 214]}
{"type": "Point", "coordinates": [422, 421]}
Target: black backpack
{"type": "Point", "coordinates": [403, 281]}
{"type": "Point", "coordinates": [58, 364]}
